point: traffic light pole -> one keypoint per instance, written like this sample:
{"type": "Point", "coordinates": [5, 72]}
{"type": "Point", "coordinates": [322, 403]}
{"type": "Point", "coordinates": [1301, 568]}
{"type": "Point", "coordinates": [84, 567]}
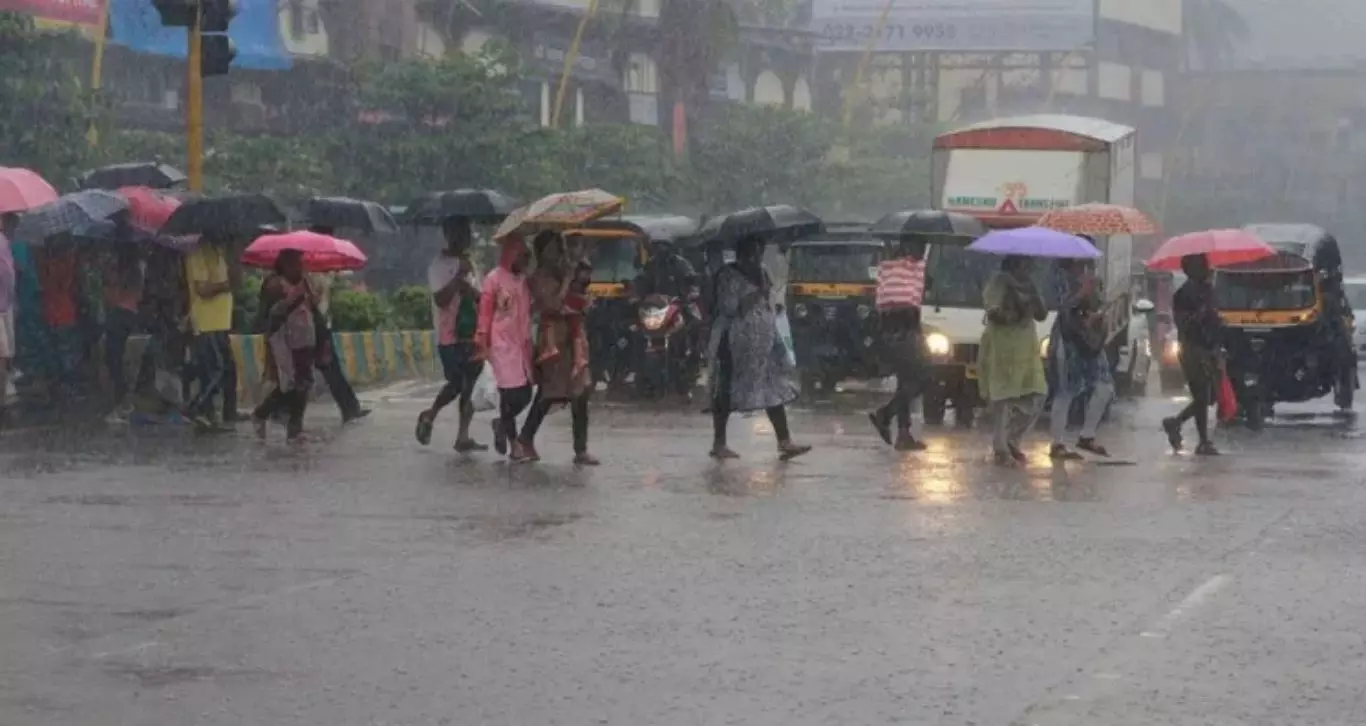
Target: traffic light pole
{"type": "Point", "coordinates": [194, 106]}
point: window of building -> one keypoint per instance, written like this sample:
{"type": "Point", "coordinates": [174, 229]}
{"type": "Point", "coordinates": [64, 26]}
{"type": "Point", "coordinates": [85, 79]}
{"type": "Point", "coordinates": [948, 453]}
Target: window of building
{"type": "Point", "coordinates": [296, 19]}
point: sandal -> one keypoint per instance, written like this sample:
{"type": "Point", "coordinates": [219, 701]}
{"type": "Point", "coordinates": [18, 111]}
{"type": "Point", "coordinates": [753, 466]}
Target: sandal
{"type": "Point", "coordinates": [722, 454]}
{"type": "Point", "coordinates": [1173, 429]}
{"type": "Point", "coordinates": [883, 429]}
{"type": "Point", "coordinates": [906, 442]}
{"type": "Point", "coordinates": [1060, 452]}
{"type": "Point", "coordinates": [1091, 446]}
{"type": "Point", "coordinates": [424, 428]}
{"type": "Point", "coordinates": [586, 459]}
{"type": "Point", "coordinates": [1206, 448]}
{"type": "Point", "coordinates": [469, 445]}
{"type": "Point", "coordinates": [789, 451]}
{"type": "Point", "coordinates": [1017, 455]}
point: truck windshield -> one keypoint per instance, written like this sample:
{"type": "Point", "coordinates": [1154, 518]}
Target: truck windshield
{"type": "Point", "coordinates": [614, 259]}
{"type": "Point", "coordinates": [833, 263]}
{"type": "Point", "coordinates": [1290, 290]}
{"type": "Point", "coordinates": [957, 277]}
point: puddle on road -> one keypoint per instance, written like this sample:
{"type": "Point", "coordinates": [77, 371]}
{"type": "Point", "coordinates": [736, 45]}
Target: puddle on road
{"type": "Point", "coordinates": [163, 676]}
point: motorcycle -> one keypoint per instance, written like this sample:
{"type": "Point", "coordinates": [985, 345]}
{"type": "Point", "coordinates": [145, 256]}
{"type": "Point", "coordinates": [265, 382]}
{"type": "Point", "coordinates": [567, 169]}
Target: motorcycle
{"type": "Point", "coordinates": [669, 354]}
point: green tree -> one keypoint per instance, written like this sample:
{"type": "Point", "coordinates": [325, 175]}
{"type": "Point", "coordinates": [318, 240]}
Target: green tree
{"type": "Point", "coordinates": [45, 110]}
{"type": "Point", "coordinates": [760, 155]}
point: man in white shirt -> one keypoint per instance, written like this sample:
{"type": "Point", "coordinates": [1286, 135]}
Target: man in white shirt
{"type": "Point", "coordinates": [454, 282]}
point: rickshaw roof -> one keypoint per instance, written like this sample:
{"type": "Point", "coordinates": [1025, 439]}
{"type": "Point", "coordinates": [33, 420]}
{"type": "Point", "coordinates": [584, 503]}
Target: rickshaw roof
{"type": "Point", "coordinates": [657, 228]}
{"type": "Point", "coordinates": [1282, 261]}
{"type": "Point", "coordinates": [1309, 242]}
{"type": "Point", "coordinates": [851, 233]}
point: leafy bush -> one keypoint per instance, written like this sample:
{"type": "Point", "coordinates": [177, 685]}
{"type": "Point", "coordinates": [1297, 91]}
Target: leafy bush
{"type": "Point", "coordinates": [356, 311]}
{"type": "Point", "coordinates": [411, 307]}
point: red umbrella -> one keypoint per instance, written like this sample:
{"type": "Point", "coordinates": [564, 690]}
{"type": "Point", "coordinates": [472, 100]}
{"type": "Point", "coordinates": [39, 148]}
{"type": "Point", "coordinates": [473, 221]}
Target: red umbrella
{"type": "Point", "coordinates": [1223, 247]}
{"type": "Point", "coordinates": [322, 253]}
{"type": "Point", "coordinates": [148, 209]}
{"type": "Point", "coordinates": [22, 190]}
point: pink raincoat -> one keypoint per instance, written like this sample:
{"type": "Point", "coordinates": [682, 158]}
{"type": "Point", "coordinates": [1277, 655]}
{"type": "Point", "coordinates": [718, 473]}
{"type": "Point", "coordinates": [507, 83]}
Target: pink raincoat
{"type": "Point", "coordinates": [504, 332]}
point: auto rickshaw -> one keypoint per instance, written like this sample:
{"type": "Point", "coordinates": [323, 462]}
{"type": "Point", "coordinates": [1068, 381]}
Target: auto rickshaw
{"type": "Point", "coordinates": [619, 247]}
{"type": "Point", "coordinates": [1288, 327]}
{"type": "Point", "coordinates": [831, 289]}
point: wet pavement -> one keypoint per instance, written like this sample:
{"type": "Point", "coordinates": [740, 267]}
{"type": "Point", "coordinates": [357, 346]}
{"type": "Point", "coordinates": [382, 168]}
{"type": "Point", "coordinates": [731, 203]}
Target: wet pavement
{"type": "Point", "coordinates": [154, 578]}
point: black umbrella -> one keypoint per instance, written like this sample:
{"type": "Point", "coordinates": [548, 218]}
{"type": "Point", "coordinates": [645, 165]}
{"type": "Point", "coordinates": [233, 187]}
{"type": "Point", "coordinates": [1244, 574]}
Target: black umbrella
{"type": "Point", "coordinates": [927, 221]}
{"type": "Point", "coordinates": [136, 174]}
{"type": "Point", "coordinates": [778, 222]}
{"type": "Point", "coordinates": [334, 212]}
{"type": "Point", "coordinates": [231, 216]}
{"type": "Point", "coordinates": [478, 205]}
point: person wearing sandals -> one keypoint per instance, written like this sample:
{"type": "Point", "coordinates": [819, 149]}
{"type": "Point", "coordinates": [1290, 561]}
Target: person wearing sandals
{"type": "Point", "coordinates": [1077, 355]}
{"type": "Point", "coordinates": [453, 279]}
{"type": "Point", "coordinates": [1197, 332]}
{"type": "Point", "coordinates": [1009, 370]}
{"type": "Point", "coordinates": [503, 338]}
{"type": "Point", "coordinates": [900, 290]}
{"type": "Point", "coordinates": [750, 369]}
{"type": "Point", "coordinates": [289, 307]}
{"type": "Point", "coordinates": [559, 296]}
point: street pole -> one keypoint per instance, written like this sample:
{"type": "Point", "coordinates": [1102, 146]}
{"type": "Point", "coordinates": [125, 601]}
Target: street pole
{"type": "Point", "coordinates": [194, 105]}
{"type": "Point", "coordinates": [570, 58]}
{"type": "Point", "coordinates": [92, 135]}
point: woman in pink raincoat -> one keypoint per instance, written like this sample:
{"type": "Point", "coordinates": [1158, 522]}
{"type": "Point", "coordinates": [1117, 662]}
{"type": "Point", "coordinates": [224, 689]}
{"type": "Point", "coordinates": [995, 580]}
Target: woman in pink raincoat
{"type": "Point", "coordinates": [504, 338]}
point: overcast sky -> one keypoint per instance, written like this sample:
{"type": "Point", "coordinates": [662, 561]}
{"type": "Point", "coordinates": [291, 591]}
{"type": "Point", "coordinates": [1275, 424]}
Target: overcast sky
{"type": "Point", "coordinates": [1305, 31]}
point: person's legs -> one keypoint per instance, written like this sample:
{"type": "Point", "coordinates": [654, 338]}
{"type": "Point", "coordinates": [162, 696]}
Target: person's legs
{"type": "Point", "coordinates": [208, 370]}
{"type": "Point", "coordinates": [1027, 410]}
{"type": "Point", "coordinates": [720, 417]}
{"type": "Point", "coordinates": [228, 375]}
{"type": "Point", "coordinates": [777, 415]}
{"type": "Point", "coordinates": [463, 441]}
{"type": "Point", "coordinates": [540, 407]}
{"type": "Point", "coordinates": [453, 371]}
{"type": "Point", "coordinates": [118, 325]}
{"type": "Point", "coordinates": [720, 403]}
{"type": "Point", "coordinates": [511, 403]}
{"type": "Point", "coordinates": [342, 392]}
{"type": "Point", "coordinates": [1000, 415]}
{"type": "Point", "coordinates": [1101, 395]}
{"type": "Point", "coordinates": [578, 410]}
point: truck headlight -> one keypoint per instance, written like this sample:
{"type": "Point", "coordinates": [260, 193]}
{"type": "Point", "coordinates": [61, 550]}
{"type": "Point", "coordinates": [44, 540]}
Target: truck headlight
{"type": "Point", "coordinates": [938, 344]}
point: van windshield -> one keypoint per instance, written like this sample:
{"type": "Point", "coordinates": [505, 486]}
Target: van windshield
{"type": "Point", "coordinates": [1289, 290]}
{"type": "Point", "coordinates": [957, 277]}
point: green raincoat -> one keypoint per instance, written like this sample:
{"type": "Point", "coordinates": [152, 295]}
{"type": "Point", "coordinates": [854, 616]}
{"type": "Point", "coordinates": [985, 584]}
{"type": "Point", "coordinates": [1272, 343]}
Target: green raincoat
{"type": "Point", "coordinates": [1008, 361]}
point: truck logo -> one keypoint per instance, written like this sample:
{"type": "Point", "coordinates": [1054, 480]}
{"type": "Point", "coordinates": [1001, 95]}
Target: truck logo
{"type": "Point", "coordinates": [1012, 198]}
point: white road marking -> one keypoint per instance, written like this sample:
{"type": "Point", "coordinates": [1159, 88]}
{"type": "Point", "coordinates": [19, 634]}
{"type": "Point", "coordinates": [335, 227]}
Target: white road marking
{"type": "Point", "coordinates": [1198, 596]}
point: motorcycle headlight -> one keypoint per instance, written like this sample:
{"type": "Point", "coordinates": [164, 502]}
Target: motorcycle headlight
{"type": "Point", "coordinates": [800, 310]}
{"type": "Point", "coordinates": [652, 318]}
{"type": "Point", "coordinates": [938, 344]}
{"type": "Point", "coordinates": [864, 311]}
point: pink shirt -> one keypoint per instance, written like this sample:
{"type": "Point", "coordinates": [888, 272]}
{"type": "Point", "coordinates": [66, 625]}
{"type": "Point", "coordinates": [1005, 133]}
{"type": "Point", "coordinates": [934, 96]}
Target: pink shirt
{"type": "Point", "coordinates": [900, 283]}
{"type": "Point", "coordinates": [505, 327]}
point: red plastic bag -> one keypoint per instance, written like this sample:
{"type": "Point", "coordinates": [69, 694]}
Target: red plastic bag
{"type": "Point", "coordinates": [1228, 403]}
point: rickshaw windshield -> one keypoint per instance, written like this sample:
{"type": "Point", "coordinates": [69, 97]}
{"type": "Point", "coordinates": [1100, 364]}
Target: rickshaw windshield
{"type": "Point", "coordinates": [1288, 290]}
{"type": "Point", "coordinates": [957, 276]}
{"type": "Point", "coordinates": [614, 259]}
{"type": "Point", "coordinates": [833, 263]}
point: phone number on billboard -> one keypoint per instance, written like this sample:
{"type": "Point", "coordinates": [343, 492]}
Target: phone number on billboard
{"type": "Point", "coordinates": [836, 32]}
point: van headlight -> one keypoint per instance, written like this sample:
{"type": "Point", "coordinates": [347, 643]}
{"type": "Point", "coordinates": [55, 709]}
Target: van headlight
{"type": "Point", "coordinates": [938, 344]}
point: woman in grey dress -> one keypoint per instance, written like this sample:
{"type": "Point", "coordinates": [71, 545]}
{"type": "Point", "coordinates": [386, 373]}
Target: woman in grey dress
{"type": "Point", "coordinates": [750, 369]}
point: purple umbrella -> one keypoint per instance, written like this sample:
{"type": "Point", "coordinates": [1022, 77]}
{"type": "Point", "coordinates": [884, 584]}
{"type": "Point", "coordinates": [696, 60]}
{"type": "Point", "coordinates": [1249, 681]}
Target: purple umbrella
{"type": "Point", "coordinates": [1035, 242]}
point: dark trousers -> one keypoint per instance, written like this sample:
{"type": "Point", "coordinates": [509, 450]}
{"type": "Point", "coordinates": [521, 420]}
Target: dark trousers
{"type": "Point", "coordinates": [217, 373]}
{"type": "Point", "coordinates": [511, 403]}
{"type": "Point", "coordinates": [720, 405]}
{"type": "Point", "coordinates": [578, 410]}
{"type": "Point", "coordinates": [341, 389]}
{"type": "Point", "coordinates": [293, 403]}
{"type": "Point", "coordinates": [119, 324]}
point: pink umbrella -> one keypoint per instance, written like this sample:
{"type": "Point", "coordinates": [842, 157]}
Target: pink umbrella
{"type": "Point", "coordinates": [148, 209]}
{"type": "Point", "coordinates": [322, 253]}
{"type": "Point", "coordinates": [22, 190]}
{"type": "Point", "coordinates": [1223, 247]}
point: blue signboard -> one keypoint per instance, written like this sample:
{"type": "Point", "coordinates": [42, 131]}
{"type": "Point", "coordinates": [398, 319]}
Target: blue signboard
{"type": "Point", "coordinates": [255, 31]}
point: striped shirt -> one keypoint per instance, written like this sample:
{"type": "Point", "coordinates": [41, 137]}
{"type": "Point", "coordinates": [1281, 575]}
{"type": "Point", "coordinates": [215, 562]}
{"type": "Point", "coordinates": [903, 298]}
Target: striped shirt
{"type": "Point", "coordinates": [900, 283]}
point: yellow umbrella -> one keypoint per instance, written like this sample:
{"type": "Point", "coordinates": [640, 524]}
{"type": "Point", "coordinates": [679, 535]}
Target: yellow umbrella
{"type": "Point", "coordinates": [559, 211]}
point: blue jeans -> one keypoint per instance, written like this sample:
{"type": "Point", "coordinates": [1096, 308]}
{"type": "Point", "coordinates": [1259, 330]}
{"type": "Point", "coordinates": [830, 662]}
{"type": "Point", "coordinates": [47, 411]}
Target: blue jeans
{"type": "Point", "coordinates": [217, 374]}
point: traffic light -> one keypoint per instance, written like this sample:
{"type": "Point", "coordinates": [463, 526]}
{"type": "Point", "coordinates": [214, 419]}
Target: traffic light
{"type": "Point", "coordinates": [217, 52]}
{"type": "Point", "coordinates": [176, 13]}
{"type": "Point", "coordinates": [216, 15]}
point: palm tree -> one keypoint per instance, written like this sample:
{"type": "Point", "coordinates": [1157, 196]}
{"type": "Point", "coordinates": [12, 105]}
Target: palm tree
{"type": "Point", "coordinates": [1213, 30]}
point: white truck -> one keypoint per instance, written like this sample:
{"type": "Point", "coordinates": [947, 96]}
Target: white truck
{"type": "Point", "coordinates": [1007, 173]}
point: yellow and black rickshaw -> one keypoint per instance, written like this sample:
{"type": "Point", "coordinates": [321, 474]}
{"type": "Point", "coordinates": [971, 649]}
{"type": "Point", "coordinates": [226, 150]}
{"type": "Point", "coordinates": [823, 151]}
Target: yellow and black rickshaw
{"type": "Point", "coordinates": [831, 301]}
{"type": "Point", "coordinates": [619, 248]}
{"type": "Point", "coordinates": [1288, 327]}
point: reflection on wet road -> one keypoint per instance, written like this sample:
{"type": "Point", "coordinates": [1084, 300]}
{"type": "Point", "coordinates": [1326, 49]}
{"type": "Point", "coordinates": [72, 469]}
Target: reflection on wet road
{"type": "Point", "coordinates": [152, 578]}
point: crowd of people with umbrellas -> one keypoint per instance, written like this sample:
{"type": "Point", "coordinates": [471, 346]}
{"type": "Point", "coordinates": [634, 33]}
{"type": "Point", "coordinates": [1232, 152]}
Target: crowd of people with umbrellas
{"type": "Point", "coordinates": [127, 254]}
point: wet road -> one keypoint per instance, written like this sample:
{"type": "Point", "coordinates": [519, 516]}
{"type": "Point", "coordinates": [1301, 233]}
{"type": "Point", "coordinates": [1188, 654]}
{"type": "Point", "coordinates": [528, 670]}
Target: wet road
{"type": "Point", "coordinates": [151, 579]}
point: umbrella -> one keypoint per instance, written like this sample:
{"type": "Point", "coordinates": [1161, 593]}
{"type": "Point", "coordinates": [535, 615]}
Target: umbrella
{"type": "Point", "coordinates": [333, 212]}
{"type": "Point", "coordinates": [135, 174]}
{"type": "Point", "coordinates": [480, 205]}
{"type": "Point", "coordinates": [927, 221]}
{"type": "Point", "coordinates": [1098, 219]}
{"type": "Point", "coordinates": [235, 215]}
{"type": "Point", "coordinates": [322, 253]}
{"type": "Point", "coordinates": [70, 213]}
{"type": "Point", "coordinates": [1222, 246]}
{"type": "Point", "coordinates": [561, 210]}
{"type": "Point", "coordinates": [149, 209]}
{"type": "Point", "coordinates": [1035, 242]}
{"type": "Point", "coordinates": [21, 189]}
{"type": "Point", "coordinates": [779, 220]}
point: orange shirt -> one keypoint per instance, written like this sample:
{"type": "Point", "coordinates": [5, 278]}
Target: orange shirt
{"type": "Point", "coordinates": [57, 279]}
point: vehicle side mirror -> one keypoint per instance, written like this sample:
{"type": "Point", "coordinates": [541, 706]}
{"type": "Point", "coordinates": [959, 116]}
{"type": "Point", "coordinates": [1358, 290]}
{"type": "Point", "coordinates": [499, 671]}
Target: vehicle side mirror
{"type": "Point", "coordinates": [1144, 305]}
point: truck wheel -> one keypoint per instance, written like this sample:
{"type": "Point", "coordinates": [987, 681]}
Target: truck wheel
{"type": "Point", "coordinates": [934, 407]}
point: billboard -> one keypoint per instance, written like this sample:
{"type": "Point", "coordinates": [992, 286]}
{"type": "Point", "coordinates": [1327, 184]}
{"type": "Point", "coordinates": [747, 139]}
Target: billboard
{"type": "Point", "coordinates": [954, 25]}
{"type": "Point", "coordinates": [77, 12]}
